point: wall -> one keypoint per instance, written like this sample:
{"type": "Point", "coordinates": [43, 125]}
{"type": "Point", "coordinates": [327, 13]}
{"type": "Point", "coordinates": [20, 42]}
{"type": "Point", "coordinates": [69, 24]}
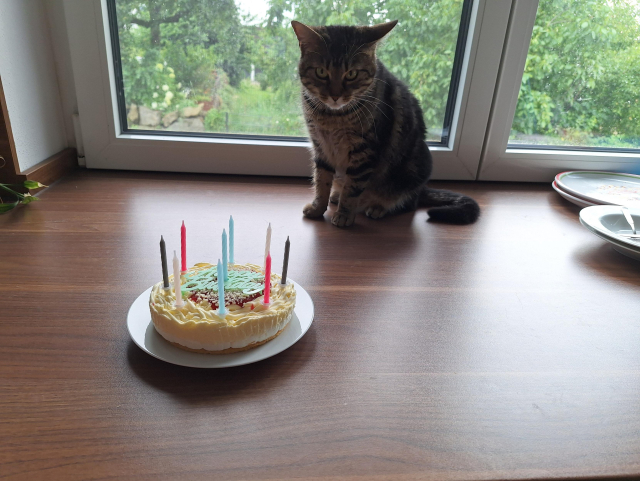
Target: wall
{"type": "Point", "coordinates": [64, 71]}
{"type": "Point", "coordinates": [30, 80]}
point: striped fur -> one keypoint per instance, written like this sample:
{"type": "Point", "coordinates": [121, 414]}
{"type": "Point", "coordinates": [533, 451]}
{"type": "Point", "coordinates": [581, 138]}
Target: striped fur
{"type": "Point", "coordinates": [367, 131]}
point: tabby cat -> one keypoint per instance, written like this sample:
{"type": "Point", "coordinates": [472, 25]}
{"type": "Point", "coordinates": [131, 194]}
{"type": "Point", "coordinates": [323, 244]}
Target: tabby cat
{"type": "Point", "coordinates": [367, 131]}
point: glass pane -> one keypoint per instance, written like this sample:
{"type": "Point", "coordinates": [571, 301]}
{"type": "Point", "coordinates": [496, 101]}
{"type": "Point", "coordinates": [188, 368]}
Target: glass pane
{"type": "Point", "coordinates": [223, 67]}
{"type": "Point", "coordinates": [580, 83]}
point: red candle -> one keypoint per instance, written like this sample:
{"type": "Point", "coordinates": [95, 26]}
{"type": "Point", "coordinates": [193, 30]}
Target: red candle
{"type": "Point", "coordinates": [183, 243]}
{"type": "Point", "coordinates": [267, 279]}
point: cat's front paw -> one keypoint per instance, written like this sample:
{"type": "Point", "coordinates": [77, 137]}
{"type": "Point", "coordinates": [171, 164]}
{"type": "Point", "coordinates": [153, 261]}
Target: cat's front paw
{"type": "Point", "coordinates": [341, 219]}
{"type": "Point", "coordinates": [376, 212]}
{"type": "Point", "coordinates": [335, 197]}
{"type": "Point", "coordinates": [313, 211]}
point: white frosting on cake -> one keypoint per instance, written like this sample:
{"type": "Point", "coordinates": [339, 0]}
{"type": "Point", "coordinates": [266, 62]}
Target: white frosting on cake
{"type": "Point", "coordinates": [197, 326]}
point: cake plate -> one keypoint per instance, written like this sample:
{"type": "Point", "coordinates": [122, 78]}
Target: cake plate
{"type": "Point", "coordinates": [147, 338]}
{"type": "Point", "coordinates": [573, 199]}
{"type": "Point", "coordinates": [608, 188]}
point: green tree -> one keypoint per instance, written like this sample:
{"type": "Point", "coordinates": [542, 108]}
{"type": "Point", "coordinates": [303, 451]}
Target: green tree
{"type": "Point", "coordinates": [192, 39]}
{"type": "Point", "coordinates": [582, 71]}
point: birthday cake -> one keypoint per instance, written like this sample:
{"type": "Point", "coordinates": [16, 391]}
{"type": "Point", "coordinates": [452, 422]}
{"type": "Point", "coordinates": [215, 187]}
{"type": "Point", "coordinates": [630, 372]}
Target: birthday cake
{"type": "Point", "coordinates": [199, 323]}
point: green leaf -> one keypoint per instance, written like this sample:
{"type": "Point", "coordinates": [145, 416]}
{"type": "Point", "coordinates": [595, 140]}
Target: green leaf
{"type": "Point", "coordinates": [28, 198]}
{"type": "Point", "coordinates": [32, 184]}
{"type": "Point", "coordinates": [7, 207]}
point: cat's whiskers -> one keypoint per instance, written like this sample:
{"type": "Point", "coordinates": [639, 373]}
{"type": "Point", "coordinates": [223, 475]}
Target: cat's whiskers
{"type": "Point", "coordinates": [352, 109]}
{"type": "Point", "coordinates": [315, 102]}
{"type": "Point", "coordinates": [314, 106]}
{"type": "Point", "coordinates": [373, 119]}
{"type": "Point", "coordinates": [376, 79]}
{"type": "Point", "coordinates": [375, 105]}
{"type": "Point", "coordinates": [373, 116]}
{"type": "Point", "coordinates": [379, 100]}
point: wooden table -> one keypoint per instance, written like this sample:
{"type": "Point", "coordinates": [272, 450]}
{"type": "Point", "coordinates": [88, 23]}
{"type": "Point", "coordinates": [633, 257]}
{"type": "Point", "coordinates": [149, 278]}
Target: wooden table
{"type": "Point", "coordinates": [505, 349]}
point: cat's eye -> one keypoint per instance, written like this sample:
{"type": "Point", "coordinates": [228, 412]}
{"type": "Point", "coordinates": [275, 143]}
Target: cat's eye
{"type": "Point", "coordinates": [351, 75]}
{"type": "Point", "coordinates": [321, 72]}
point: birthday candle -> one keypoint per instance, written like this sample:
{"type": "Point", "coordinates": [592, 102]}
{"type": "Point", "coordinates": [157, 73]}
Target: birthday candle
{"type": "Point", "coordinates": [183, 245]}
{"type": "Point", "coordinates": [267, 246]}
{"type": "Point", "coordinates": [163, 257]}
{"type": "Point", "coordinates": [267, 279]}
{"type": "Point", "coordinates": [176, 281]}
{"type": "Point", "coordinates": [231, 257]}
{"type": "Point", "coordinates": [225, 267]}
{"type": "Point", "coordinates": [285, 263]}
{"type": "Point", "coordinates": [222, 310]}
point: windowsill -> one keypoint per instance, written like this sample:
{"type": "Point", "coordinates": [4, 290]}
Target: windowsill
{"type": "Point", "coordinates": [476, 324]}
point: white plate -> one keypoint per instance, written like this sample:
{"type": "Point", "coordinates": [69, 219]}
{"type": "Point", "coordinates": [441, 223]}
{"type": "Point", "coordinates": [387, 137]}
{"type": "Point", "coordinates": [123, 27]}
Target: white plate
{"type": "Point", "coordinates": [574, 200]}
{"type": "Point", "coordinates": [609, 188]}
{"type": "Point", "coordinates": [147, 338]}
{"type": "Point", "coordinates": [607, 221]}
{"type": "Point", "coordinates": [624, 250]}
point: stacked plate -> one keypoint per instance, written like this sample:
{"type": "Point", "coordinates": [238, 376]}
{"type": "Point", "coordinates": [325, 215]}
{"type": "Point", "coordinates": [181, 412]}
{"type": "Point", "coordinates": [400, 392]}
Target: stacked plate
{"type": "Point", "coordinates": [587, 188]}
{"type": "Point", "coordinates": [603, 194]}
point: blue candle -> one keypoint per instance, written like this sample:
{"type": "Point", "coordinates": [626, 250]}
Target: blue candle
{"type": "Point", "coordinates": [225, 267]}
{"type": "Point", "coordinates": [231, 257]}
{"type": "Point", "coordinates": [222, 310]}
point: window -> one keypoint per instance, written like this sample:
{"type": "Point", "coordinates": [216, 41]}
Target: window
{"type": "Point", "coordinates": [566, 97]}
{"type": "Point", "coordinates": [449, 51]}
{"type": "Point", "coordinates": [230, 69]}
{"type": "Point", "coordinates": [580, 82]}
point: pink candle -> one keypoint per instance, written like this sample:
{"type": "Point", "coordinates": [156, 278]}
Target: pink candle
{"type": "Point", "coordinates": [267, 279]}
{"type": "Point", "coordinates": [183, 244]}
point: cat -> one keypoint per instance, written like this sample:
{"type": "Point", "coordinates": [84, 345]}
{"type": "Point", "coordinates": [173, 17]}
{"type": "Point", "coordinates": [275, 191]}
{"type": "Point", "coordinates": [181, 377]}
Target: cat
{"type": "Point", "coordinates": [367, 131]}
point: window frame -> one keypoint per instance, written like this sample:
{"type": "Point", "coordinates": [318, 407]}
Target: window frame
{"type": "Point", "coordinates": [534, 164]}
{"type": "Point", "coordinates": [107, 148]}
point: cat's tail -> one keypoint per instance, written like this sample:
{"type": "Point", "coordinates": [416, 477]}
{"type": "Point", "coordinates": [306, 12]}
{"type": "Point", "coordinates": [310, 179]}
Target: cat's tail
{"type": "Point", "coordinates": [449, 206]}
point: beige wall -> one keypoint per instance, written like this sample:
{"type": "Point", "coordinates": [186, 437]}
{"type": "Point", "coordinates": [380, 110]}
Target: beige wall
{"type": "Point", "coordinates": [64, 72]}
{"type": "Point", "coordinates": [35, 68]}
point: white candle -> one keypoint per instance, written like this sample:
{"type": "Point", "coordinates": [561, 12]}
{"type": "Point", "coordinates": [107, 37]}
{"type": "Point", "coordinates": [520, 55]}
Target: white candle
{"type": "Point", "coordinates": [176, 281]}
{"type": "Point", "coordinates": [267, 246]}
{"type": "Point", "coordinates": [231, 241]}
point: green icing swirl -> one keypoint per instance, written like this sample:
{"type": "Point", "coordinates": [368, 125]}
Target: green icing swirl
{"type": "Point", "coordinates": [248, 282]}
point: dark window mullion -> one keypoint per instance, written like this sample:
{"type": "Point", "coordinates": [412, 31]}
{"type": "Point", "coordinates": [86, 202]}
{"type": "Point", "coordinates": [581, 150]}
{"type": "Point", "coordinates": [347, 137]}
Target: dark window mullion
{"type": "Point", "coordinates": [456, 71]}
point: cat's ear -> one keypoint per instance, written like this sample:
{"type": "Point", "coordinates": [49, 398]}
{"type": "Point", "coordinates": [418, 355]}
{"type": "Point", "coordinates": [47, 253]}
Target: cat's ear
{"type": "Point", "coordinates": [308, 38]}
{"type": "Point", "coordinates": [377, 32]}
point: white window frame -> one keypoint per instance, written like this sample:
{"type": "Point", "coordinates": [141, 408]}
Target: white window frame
{"type": "Point", "coordinates": [107, 148]}
{"type": "Point", "coordinates": [499, 162]}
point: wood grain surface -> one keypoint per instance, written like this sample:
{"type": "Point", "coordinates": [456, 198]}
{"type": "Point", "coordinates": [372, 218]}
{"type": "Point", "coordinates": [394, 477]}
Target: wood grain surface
{"type": "Point", "coordinates": [509, 349]}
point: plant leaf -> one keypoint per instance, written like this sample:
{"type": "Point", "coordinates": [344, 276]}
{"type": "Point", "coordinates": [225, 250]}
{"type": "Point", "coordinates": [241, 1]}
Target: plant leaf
{"type": "Point", "coordinates": [28, 198]}
{"type": "Point", "coordinates": [7, 207]}
{"type": "Point", "coordinates": [32, 184]}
